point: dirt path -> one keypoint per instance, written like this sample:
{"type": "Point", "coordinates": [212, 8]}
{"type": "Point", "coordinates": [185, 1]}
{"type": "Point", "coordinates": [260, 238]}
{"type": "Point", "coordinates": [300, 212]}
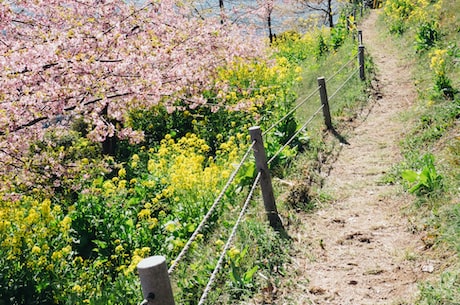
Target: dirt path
{"type": "Point", "coordinates": [359, 250]}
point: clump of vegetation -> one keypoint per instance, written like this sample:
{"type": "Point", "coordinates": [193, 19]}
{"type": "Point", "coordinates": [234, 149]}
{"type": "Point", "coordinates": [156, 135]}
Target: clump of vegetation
{"type": "Point", "coordinates": [427, 181]}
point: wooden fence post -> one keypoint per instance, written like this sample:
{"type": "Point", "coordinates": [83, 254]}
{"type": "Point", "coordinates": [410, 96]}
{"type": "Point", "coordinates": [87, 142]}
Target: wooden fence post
{"type": "Point", "coordinates": [361, 62]}
{"type": "Point", "coordinates": [325, 102]}
{"type": "Point", "coordinates": [265, 178]}
{"type": "Point", "coordinates": [156, 287]}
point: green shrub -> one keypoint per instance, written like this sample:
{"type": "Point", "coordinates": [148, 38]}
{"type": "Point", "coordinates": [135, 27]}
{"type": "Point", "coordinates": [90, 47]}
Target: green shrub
{"type": "Point", "coordinates": [427, 35]}
{"type": "Point", "coordinates": [426, 182]}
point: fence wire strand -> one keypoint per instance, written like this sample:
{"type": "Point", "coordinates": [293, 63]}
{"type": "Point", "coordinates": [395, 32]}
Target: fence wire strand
{"type": "Point", "coordinates": [291, 111]}
{"type": "Point", "coordinates": [344, 83]}
{"type": "Point", "coordinates": [295, 135]}
{"type": "Point", "coordinates": [340, 70]}
{"type": "Point", "coordinates": [210, 211]}
{"type": "Point", "coordinates": [308, 97]}
{"type": "Point", "coordinates": [228, 243]}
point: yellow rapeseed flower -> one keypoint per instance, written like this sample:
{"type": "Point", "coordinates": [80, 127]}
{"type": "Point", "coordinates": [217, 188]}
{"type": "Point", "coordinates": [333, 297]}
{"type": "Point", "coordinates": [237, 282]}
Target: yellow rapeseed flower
{"type": "Point", "coordinates": [122, 172]}
{"type": "Point", "coordinates": [119, 249]}
{"type": "Point", "coordinates": [219, 243]}
{"type": "Point", "coordinates": [56, 256]}
{"type": "Point", "coordinates": [233, 252]}
{"type": "Point", "coordinates": [151, 165]}
{"type": "Point", "coordinates": [135, 158]}
{"type": "Point", "coordinates": [35, 250]}
{"type": "Point", "coordinates": [65, 224]}
{"type": "Point", "coordinates": [144, 213]}
{"type": "Point", "coordinates": [170, 226]}
{"type": "Point", "coordinates": [153, 222]}
{"type": "Point", "coordinates": [122, 184]}
{"type": "Point", "coordinates": [77, 288]}
{"type": "Point", "coordinates": [46, 209]}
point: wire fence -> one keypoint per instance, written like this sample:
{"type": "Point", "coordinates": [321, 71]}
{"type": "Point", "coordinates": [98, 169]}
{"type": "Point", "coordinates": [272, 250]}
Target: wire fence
{"type": "Point", "coordinates": [229, 242]}
{"type": "Point", "coordinates": [310, 95]}
{"type": "Point", "coordinates": [324, 106]}
{"type": "Point", "coordinates": [330, 78]}
{"type": "Point", "coordinates": [294, 136]}
{"type": "Point", "coordinates": [210, 211]}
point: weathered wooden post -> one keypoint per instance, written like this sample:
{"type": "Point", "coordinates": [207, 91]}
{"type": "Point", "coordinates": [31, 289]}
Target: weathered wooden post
{"type": "Point", "coordinates": [361, 62]}
{"type": "Point", "coordinates": [155, 283]}
{"type": "Point", "coordinates": [265, 178]}
{"type": "Point", "coordinates": [325, 102]}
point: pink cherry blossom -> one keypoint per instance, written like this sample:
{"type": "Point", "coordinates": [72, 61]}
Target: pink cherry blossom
{"type": "Point", "coordinates": [99, 60]}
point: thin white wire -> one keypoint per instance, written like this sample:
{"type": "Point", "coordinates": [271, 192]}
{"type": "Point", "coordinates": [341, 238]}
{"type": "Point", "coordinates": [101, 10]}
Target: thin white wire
{"type": "Point", "coordinates": [229, 241]}
{"type": "Point", "coordinates": [210, 211]}
{"type": "Point", "coordinates": [295, 135]}
{"type": "Point", "coordinates": [338, 71]}
{"type": "Point", "coordinates": [343, 84]}
{"type": "Point", "coordinates": [291, 111]}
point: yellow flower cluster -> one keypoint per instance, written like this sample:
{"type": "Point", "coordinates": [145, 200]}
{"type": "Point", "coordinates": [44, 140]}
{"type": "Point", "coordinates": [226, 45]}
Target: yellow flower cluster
{"type": "Point", "coordinates": [34, 240]}
{"type": "Point", "coordinates": [185, 169]}
{"type": "Point", "coordinates": [27, 225]}
{"type": "Point", "coordinates": [256, 84]}
{"type": "Point", "coordinates": [411, 10]}
{"type": "Point", "coordinates": [438, 61]}
{"type": "Point", "coordinates": [137, 256]}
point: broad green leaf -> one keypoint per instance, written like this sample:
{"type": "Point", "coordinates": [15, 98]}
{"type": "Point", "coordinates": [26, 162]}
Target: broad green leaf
{"type": "Point", "coordinates": [410, 175]}
{"type": "Point", "coordinates": [250, 273]}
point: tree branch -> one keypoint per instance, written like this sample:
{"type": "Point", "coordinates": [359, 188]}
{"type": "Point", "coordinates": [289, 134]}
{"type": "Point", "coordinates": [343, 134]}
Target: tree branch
{"type": "Point", "coordinates": [71, 108]}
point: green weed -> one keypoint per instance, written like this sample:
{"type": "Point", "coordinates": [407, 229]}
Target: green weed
{"type": "Point", "coordinates": [427, 36]}
{"type": "Point", "coordinates": [426, 182]}
{"type": "Point", "coordinates": [446, 292]}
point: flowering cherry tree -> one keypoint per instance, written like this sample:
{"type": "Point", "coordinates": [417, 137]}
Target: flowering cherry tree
{"type": "Point", "coordinates": [98, 59]}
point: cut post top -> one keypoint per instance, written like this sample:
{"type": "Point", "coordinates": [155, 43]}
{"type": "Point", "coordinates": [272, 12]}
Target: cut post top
{"type": "Point", "coordinates": [151, 261]}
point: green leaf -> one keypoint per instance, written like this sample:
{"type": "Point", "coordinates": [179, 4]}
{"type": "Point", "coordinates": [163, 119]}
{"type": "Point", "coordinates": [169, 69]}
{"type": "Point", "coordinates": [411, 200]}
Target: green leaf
{"type": "Point", "coordinates": [424, 176]}
{"type": "Point", "coordinates": [100, 244]}
{"type": "Point", "coordinates": [234, 274]}
{"type": "Point", "coordinates": [248, 275]}
{"type": "Point", "coordinates": [410, 176]}
{"type": "Point", "coordinates": [130, 223]}
{"type": "Point", "coordinates": [244, 251]}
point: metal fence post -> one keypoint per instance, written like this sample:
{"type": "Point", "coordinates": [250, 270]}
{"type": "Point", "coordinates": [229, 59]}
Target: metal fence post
{"type": "Point", "coordinates": [360, 37]}
{"type": "Point", "coordinates": [361, 62]}
{"type": "Point", "coordinates": [265, 178]}
{"type": "Point", "coordinates": [156, 287]}
{"type": "Point", "coordinates": [325, 102]}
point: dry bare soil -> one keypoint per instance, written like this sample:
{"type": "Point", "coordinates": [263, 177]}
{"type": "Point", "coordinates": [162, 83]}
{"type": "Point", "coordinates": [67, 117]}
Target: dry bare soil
{"type": "Point", "coordinates": [360, 249]}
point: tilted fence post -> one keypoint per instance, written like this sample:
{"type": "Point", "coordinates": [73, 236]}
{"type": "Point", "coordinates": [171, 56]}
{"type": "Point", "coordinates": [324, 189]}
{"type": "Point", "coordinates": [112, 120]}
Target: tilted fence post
{"type": "Point", "coordinates": [361, 62]}
{"type": "Point", "coordinates": [325, 102]}
{"type": "Point", "coordinates": [156, 286]}
{"type": "Point", "coordinates": [265, 178]}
